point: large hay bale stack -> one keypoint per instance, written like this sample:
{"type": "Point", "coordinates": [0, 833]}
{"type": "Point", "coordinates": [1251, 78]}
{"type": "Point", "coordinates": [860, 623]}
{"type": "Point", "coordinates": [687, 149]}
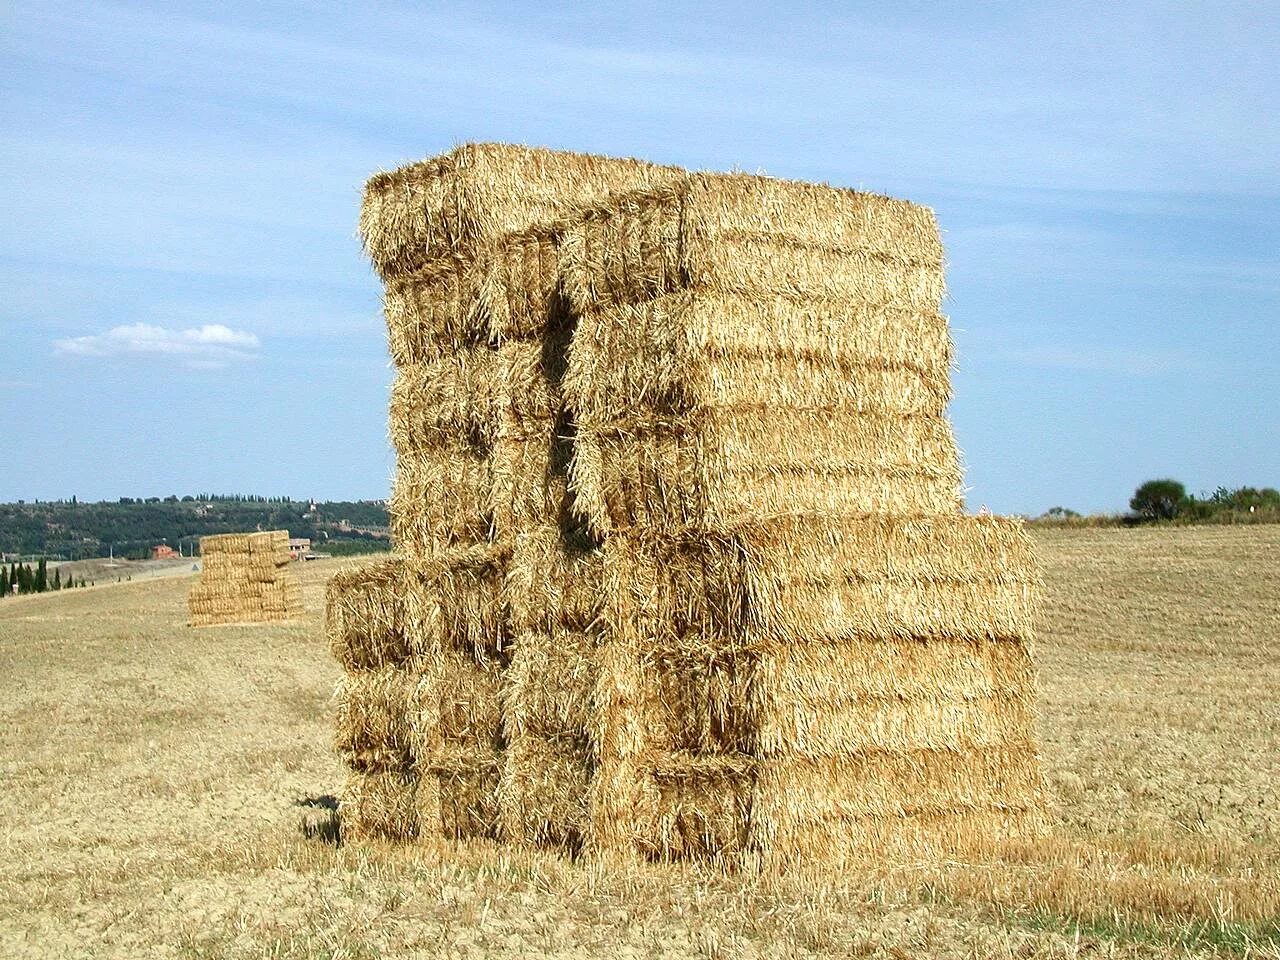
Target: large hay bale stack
{"type": "Point", "coordinates": [245, 578]}
{"type": "Point", "coordinates": [695, 424]}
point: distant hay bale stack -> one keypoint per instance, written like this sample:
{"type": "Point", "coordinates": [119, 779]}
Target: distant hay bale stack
{"type": "Point", "coordinates": [245, 578]}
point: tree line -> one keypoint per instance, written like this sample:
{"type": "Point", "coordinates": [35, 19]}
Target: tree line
{"type": "Point", "coordinates": [1166, 500]}
{"type": "Point", "coordinates": [23, 578]}
{"type": "Point", "coordinates": [77, 530]}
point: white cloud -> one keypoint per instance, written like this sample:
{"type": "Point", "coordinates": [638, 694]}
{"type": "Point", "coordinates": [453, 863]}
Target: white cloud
{"type": "Point", "coordinates": [211, 345]}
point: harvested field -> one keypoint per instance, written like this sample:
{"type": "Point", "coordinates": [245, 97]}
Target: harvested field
{"type": "Point", "coordinates": [157, 779]}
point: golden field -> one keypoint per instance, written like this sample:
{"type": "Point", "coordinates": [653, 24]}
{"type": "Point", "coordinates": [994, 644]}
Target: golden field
{"type": "Point", "coordinates": [157, 781]}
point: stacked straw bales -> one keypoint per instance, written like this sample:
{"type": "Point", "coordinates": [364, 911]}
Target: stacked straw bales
{"type": "Point", "coordinates": [694, 426]}
{"type": "Point", "coordinates": [481, 483]}
{"type": "Point", "coordinates": [245, 578]}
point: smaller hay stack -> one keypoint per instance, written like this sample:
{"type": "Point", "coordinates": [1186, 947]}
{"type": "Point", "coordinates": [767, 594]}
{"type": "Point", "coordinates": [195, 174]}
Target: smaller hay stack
{"type": "Point", "coordinates": [245, 578]}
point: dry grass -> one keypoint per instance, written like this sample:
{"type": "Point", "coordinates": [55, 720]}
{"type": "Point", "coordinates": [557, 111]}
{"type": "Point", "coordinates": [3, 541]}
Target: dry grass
{"type": "Point", "coordinates": [151, 775]}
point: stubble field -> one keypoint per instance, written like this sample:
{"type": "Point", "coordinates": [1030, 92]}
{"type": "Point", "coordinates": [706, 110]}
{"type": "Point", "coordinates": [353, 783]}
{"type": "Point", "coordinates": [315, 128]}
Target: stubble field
{"type": "Point", "coordinates": [156, 781]}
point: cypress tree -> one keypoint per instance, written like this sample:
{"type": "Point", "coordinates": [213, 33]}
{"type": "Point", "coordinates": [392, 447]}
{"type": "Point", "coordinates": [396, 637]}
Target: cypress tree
{"type": "Point", "coordinates": [42, 576]}
{"type": "Point", "coordinates": [57, 579]}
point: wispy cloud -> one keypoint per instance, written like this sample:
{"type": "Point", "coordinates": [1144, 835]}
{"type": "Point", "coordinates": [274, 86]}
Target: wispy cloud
{"type": "Point", "coordinates": [211, 345]}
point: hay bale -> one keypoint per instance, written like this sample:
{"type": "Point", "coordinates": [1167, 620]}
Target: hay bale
{"type": "Point", "coordinates": [441, 501]}
{"type": "Point", "coordinates": [456, 740]}
{"type": "Point", "coordinates": [455, 602]}
{"type": "Point", "coordinates": [937, 795]}
{"type": "Point", "coordinates": [385, 805]}
{"type": "Point", "coordinates": [373, 728]}
{"type": "Point", "coordinates": [365, 615]}
{"type": "Point", "coordinates": [789, 642]}
{"type": "Point", "coordinates": [552, 581]}
{"type": "Point", "coordinates": [431, 312]}
{"type": "Point", "coordinates": [466, 785]}
{"type": "Point", "coordinates": [245, 578]}
{"type": "Point", "coordinates": [451, 204]}
{"type": "Point", "coordinates": [445, 401]}
{"type": "Point", "coordinates": [758, 235]}
{"type": "Point", "coordinates": [543, 790]}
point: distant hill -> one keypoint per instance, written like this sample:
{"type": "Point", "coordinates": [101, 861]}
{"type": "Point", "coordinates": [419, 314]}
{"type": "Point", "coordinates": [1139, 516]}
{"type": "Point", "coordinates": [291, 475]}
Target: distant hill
{"type": "Point", "coordinates": [71, 530]}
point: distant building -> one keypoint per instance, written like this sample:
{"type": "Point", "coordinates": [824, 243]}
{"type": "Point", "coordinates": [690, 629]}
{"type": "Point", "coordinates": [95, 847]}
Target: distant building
{"type": "Point", "coordinates": [163, 551]}
{"type": "Point", "coordinates": [298, 546]}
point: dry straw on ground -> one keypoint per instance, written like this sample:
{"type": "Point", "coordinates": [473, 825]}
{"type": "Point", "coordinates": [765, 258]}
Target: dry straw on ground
{"type": "Point", "coordinates": [245, 578]}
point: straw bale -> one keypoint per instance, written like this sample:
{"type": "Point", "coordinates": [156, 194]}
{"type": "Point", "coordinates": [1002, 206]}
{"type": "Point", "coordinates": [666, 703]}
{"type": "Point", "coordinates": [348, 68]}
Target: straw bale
{"type": "Point", "coordinates": [528, 375]}
{"type": "Point", "coordinates": [703, 808]}
{"type": "Point", "coordinates": [373, 730]}
{"type": "Point", "coordinates": [891, 784]}
{"type": "Point", "coordinates": [468, 797]}
{"type": "Point", "coordinates": [453, 707]}
{"type": "Point", "coordinates": [443, 402]}
{"type": "Point", "coordinates": [225, 543]}
{"type": "Point", "coordinates": [926, 834]}
{"type": "Point", "coordinates": [533, 442]}
{"type": "Point", "coordinates": [553, 580]}
{"type": "Point", "coordinates": [245, 578]}
{"type": "Point", "coordinates": [454, 203]}
{"type": "Point", "coordinates": [431, 313]}
{"type": "Point", "coordinates": [380, 806]}
{"type": "Point", "coordinates": [530, 485]}
{"type": "Point", "coordinates": [365, 615]}
{"type": "Point", "coordinates": [749, 347]}
{"type": "Point", "coordinates": [520, 296]}
{"type": "Point", "coordinates": [809, 639]}
{"type": "Point", "coordinates": [543, 791]}
{"type": "Point", "coordinates": [695, 349]}
{"type": "Point", "coordinates": [723, 468]}
{"type": "Point", "coordinates": [821, 579]}
{"type": "Point", "coordinates": [548, 687]}
{"type": "Point", "coordinates": [455, 601]}
{"type": "Point", "coordinates": [441, 500]}
{"type": "Point", "coordinates": [754, 234]}
{"type": "Point", "coordinates": [621, 800]}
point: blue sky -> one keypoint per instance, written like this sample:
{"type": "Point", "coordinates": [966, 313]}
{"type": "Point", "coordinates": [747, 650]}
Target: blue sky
{"type": "Point", "coordinates": [184, 305]}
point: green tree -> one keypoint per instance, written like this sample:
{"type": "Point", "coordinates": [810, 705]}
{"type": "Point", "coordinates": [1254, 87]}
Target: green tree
{"type": "Point", "coordinates": [1158, 499]}
{"type": "Point", "coordinates": [42, 576]}
{"type": "Point", "coordinates": [1060, 513]}
{"type": "Point", "coordinates": [57, 579]}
